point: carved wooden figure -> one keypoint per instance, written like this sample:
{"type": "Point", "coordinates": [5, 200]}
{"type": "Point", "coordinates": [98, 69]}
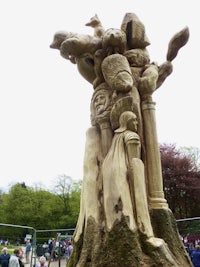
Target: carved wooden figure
{"type": "Point", "coordinates": [124, 218]}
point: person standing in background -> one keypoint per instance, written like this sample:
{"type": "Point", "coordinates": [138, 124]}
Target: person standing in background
{"type": "Point", "coordinates": [42, 262]}
{"type": "Point", "coordinates": [195, 256]}
{"type": "Point", "coordinates": [14, 259]}
{"type": "Point", "coordinates": [69, 250]}
{"type": "Point", "coordinates": [21, 257]}
{"type": "Point", "coordinates": [4, 257]}
{"type": "Point", "coordinates": [28, 251]}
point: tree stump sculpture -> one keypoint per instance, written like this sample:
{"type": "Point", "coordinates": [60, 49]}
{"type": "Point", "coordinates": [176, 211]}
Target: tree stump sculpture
{"type": "Point", "coordinates": [124, 218]}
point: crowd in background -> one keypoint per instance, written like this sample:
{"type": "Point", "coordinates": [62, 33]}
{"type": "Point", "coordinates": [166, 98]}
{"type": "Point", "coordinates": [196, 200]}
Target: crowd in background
{"type": "Point", "coordinates": [192, 246]}
{"type": "Point", "coordinates": [14, 260]}
{"type": "Point", "coordinates": [51, 250]}
{"type": "Point", "coordinates": [17, 258]}
{"type": "Point", "coordinates": [55, 249]}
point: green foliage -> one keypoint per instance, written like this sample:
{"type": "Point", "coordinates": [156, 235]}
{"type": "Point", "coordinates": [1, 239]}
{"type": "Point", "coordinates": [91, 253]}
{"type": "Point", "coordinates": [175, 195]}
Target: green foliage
{"type": "Point", "coordinates": [189, 227]}
{"type": "Point", "coordinates": [39, 208]}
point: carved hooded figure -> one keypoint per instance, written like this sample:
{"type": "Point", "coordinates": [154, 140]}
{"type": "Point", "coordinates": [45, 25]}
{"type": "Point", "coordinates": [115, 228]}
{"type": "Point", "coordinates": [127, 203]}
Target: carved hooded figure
{"type": "Point", "coordinates": [124, 179]}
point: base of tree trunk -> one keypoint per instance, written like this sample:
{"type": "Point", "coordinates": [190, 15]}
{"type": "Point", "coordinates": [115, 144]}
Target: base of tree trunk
{"type": "Point", "coordinates": [122, 247]}
{"type": "Point", "coordinates": [165, 227]}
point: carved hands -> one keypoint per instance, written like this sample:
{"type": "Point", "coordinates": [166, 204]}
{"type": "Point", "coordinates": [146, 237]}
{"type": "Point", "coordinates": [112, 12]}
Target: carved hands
{"type": "Point", "coordinates": [148, 81]}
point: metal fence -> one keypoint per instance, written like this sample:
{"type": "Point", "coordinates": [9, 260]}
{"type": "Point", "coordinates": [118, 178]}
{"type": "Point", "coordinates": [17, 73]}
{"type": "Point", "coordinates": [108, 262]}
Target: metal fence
{"type": "Point", "coordinates": [34, 237]}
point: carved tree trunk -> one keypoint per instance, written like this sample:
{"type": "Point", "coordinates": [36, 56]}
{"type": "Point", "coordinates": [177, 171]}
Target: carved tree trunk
{"type": "Point", "coordinates": [109, 236]}
{"type": "Point", "coordinates": [124, 219]}
{"type": "Point", "coordinates": [121, 247]}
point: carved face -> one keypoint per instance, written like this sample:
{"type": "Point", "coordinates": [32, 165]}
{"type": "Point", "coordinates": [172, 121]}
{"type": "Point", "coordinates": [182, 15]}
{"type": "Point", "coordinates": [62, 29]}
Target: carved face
{"type": "Point", "coordinates": [128, 121]}
{"type": "Point", "coordinates": [100, 102]}
{"type": "Point", "coordinates": [113, 37]}
{"type": "Point", "coordinates": [132, 123]}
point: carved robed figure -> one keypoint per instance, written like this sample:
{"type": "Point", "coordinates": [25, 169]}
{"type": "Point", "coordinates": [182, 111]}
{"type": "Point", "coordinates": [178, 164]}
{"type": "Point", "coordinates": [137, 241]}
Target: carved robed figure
{"type": "Point", "coordinates": [124, 218]}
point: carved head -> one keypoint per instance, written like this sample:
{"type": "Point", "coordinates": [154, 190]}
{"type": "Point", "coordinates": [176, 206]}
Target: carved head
{"type": "Point", "coordinates": [101, 99]}
{"type": "Point", "coordinates": [127, 121]}
{"type": "Point", "coordinates": [60, 37]}
{"type": "Point", "coordinates": [94, 21]}
{"type": "Point", "coordinates": [113, 38]}
{"type": "Point", "coordinates": [101, 102]}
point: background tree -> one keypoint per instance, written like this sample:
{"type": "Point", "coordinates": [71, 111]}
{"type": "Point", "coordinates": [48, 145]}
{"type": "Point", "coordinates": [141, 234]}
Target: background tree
{"type": "Point", "coordinates": [62, 189]}
{"type": "Point", "coordinates": [1, 201]}
{"type": "Point", "coordinates": [68, 192]}
{"type": "Point", "coordinates": [181, 176]}
{"type": "Point", "coordinates": [38, 208]}
{"type": "Point", "coordinates": [194, 154]}
{"type": "Point", "coordinates": [47, 211]}
{"type": "Point", "coordinates": [75, 202]}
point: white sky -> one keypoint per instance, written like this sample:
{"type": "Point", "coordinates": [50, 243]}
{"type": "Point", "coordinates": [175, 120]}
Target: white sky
{"type": "Point", "coordinates": [44, 101]}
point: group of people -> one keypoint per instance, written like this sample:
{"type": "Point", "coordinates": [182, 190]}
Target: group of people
{"type": "Point", "coordinates": [21, 256]}
{"type": "Point", "coordinates": [63, 248]}
{"type": "Point", "coordinates": [16, 260]}
{"type": "Point", "coordinates": [194, 253]}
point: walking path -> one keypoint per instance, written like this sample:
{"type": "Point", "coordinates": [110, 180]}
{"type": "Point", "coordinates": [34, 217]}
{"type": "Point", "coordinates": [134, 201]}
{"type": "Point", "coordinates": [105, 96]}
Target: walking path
{"type": "Point", "coordinates": [62, 263]}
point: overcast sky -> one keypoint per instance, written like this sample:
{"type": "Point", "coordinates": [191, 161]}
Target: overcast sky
{"type": "Point", "coordinates": [44, 101]}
